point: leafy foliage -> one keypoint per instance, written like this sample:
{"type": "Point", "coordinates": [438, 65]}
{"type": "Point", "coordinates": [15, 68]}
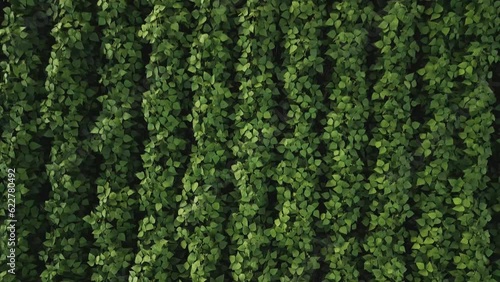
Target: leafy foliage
{"type": "Point", "coordinates": [217, 140]}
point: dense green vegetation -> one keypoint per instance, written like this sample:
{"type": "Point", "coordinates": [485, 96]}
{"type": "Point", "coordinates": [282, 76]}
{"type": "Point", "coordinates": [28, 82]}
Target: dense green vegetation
{"type": "Point", "coordinates": [279, 140]}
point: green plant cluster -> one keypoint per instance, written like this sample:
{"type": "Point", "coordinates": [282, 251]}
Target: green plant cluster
{"type": "Point", "coordinates": [218, 140]}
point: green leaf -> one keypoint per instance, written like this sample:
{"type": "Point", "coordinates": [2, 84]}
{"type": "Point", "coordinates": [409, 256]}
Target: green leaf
{"type": "Point", "coordinates": [138, 259]}
{"type": "Point", "coordinates": [140, 175]}
{"type": "Point", "coordinates": [420, 181]}
{"type": "Point", "coordinates": [194, 186]}
{"type": "Point", "coordinates": [94, 37]}
{"type": "Point", "coordinates": [429, 267]}
{"type": "Point", "coordinates": [300, 270]}
{"type": "Point", "coordinates": [343, 230]}
{"type": "Point", "coordinates": [121, 237]}
{"type": "Point", "coordinates": [158, 206]}
{"type": "Point", "coordinates": [34, 146]}
{"type": "Point", "coordinates": [394, 24]}
{"type": "Point", "coordinates": [383, 25]}
{"type": "Point", "coordinates": [338, 23]}
{"type": "Point", "coordinates": [379, 44]}
{"type": "Point", "coordinates": [79, 45]}
{"type": "Point", "coordinates": [338, 189]}
{"type": "Point", "coordinates": [127, 138]}
{"type": "Point", "coordinates": [175, 26]}
{"type": "Point", "coordinates": [469, 70]}
{"type": "Point", "coordinates": [101, 21]}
